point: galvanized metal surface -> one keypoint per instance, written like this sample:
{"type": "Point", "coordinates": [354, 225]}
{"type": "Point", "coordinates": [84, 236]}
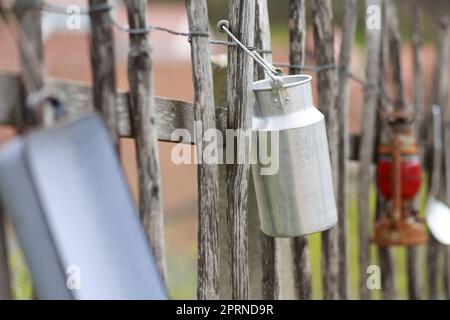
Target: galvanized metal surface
{"type": "Point", "coordinates": [298, 199]}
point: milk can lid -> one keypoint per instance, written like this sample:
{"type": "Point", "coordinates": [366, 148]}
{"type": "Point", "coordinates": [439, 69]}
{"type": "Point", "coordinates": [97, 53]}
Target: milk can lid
{"type": "Point", "coordinates": [288, 81]}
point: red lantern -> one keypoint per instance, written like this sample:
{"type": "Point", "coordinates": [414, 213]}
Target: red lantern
{"type": "Point", "coordinates": [398, 181]}
{"type": "Point", "coordinates": [410, 171]}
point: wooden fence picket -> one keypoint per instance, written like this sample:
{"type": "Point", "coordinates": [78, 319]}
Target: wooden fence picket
{"type": "Point", "coordinates": [414, 270]}
{"type": "Point", "coordinates": [240, 97]}
{"type": "Point", "coordinates": [348, 33]}
{"type": "Point", "coordinates": [143, 122]}
{"type": "Point", "coordinates": [435, 251]}
{"type": "Point", "coordinates": [270, 247]}
{"type": "Point", "coordinates": [208, 174]}
{"type": "Point", "coordinates": [385, 255]}
{"type": "Point", "coordinates": [368, 122]}
{"type": "Point", "coordinates": [32, 53]}
{"type": "Point", "coordinates": [300, 245]}
{"type": "Point", "coordinates": [322, 12]}
{"type": "Point", "coordinates": [103, 66]}
{"type": "Point", "coordinates": [255, 265]}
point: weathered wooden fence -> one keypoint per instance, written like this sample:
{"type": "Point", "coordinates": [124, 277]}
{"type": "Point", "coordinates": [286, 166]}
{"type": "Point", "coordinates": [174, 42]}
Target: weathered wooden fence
{"type": "Point", "coordinates": [235, 260]}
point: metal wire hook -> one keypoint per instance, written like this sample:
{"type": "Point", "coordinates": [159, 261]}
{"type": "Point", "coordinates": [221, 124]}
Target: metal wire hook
{"type": "Point", "coordinates": [274, 73]}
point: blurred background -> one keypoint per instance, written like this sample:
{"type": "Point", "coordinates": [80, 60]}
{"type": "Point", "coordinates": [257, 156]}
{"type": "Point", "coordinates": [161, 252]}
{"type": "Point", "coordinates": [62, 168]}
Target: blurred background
{"type": "Point", "coordinates": [67, 57]}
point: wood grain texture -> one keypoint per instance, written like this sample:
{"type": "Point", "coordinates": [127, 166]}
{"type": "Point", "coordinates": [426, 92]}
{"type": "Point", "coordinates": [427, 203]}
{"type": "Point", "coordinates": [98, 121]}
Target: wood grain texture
{"type": "Point", "coordinates": [413, 254]}
{"type": "Point", "coordinates": [327, 84]}
{"type": "Point", "coordinates": [142, 108]}
{"type": "Point", "coordinates": [31, 59]}
{"type": "Point", "coordinates": [388, 273]}
{"type": "Point", "coordinates": [270, 246]}
{"type": "Point", "coordinates": [270, 269]}
{"type": "Point", "coordinates": [444, 26]}
{"type": "Point", "coordinates": [30, 46]}
{"type": "Point", "coordinates": [368, 122]}
{"type": "Point", "coordinates": [348, 33]}
{"type": "Point", "coordinates": [103, 67]}
{"type": "Point", "coordinates": [170, 114]}
{"type": "Point", "coordinates": [302, 268]}
{"type": "Point", "coordinates": [435, 251]}
{"type": "Point", "coordinates": [416, 40]}
{"type": "Point", "coordinates": [256, 279]}
{"type": "Point", "coordinates": [446, 250]}
{"type": "Point", "coordinates": [388, 54]}
{"type": "Point", "coordinates": [240, 97]}
{"type": "Point", "coordinates": [399, 104]}
{"type": "Point", "coordinates": [208, 174]}
{"type": "Point", "coordinates": [394, 53]}
{"type": "Point", "coordinates": [297, 53]}
{"type": "Point", "coordinates": [414, 272]}
{"type": "Point", "coordinates": [434, 248]}
{"type": "Point", "coordinates": [297, 34]}
{"type": "Point", "coordinates": [441, 98]}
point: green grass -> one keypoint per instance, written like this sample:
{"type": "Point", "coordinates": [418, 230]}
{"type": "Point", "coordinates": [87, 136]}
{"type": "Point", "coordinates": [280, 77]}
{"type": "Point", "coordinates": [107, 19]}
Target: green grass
{"type": "Point", "coordinates": [21, 279]}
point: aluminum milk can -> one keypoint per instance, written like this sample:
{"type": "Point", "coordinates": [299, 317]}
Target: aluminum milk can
{"type": "Point", "coordinates": [298, 199]}
{"type": "Point", "coordinates": [295, 196]}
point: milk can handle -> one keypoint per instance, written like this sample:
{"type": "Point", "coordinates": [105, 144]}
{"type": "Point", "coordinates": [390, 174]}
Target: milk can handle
{"type": "Point", "coordinates": [273, 72]}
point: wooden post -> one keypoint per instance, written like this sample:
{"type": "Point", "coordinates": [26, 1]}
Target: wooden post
{"type": "Point", "coordinates": [435, 250]}
{"type": "Point", "coordinates": [208, 174]}
{"type": "Point", "coordinates": [394, 52]}
{"type": "Point", "coordinates": [270, 246]}
{"type": "Point", "coordinates": [297, 53]}
{"type": "Point", "coordinates": [31, 49]}
{"type": "Point", "coordinates": [102, 62]}
{"type": "Point", "coordinates": [297, 34]}
{"type": "Point", "coordinates": [5, 285]}
{"type": "Point", "coordinates": [414, 270]}
{"type": "Point", "coordinates": [30, 37]}
{"type": "Point", "coordinates": [389, 52]}
{"type": "Point", "coordinates": [240, 97]}
{"type": "Point", "coordinates": [255, 256]}
{"type": "Point", "coordinates": [142, 108]}
{"type": "Point", "coordinates": [445, 34]}
{"type": "Point", "coordinates": [441, 96]}
{"type": "Point", "coordinates": [416, 38]}
{"type": "Point", "coordinates": [348, 32]}
{"type": "Point", "coordinates": [327, 84]}
{"type": "Point", "coordinates": [31, 53]}
{"type": "Point", "coordinates": [366, 149]}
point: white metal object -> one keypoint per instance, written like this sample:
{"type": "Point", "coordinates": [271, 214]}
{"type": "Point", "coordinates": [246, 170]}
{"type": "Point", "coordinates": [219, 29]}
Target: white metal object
{"type": "Point", "coordinates": [65, 194]}
{"type": "Point", "coordinates": [437, 212]}
{"type": "Point", "coordinates": [438, 220]}
{"type": "Point", "coordinates": [299, 198]}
